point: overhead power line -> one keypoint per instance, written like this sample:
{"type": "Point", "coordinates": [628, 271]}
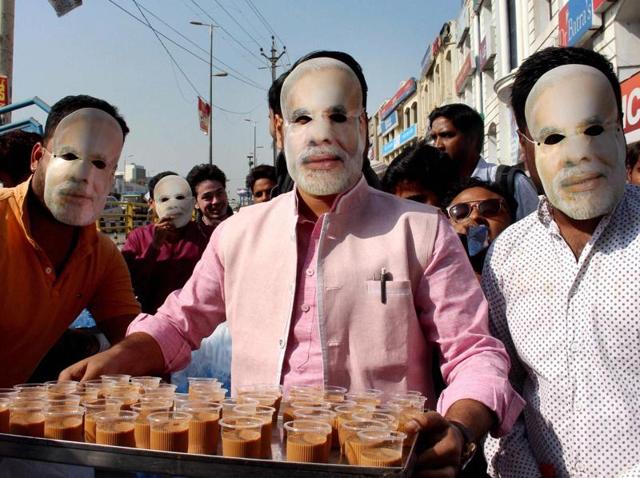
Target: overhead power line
{"type": "Point", "coordinates": [238, 76]}
{"type": "Point", "coordinates": [237, 22]}
{"type": "Point", "coordinates": [266, 24]}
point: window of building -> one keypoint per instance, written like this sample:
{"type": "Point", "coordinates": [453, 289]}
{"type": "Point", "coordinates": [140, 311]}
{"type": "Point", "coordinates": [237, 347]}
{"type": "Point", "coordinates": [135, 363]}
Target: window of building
{"type": "Point", "coordinates": [414, 112]}
{"type": "Point", "coordinates": [541, 16]}
{"type": "Point", "coordinates": [513, 34]}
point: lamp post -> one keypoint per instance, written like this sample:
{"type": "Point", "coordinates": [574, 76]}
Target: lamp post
{"type": "Point", "coordinates": [211, 75]}
{"type": "Point", "coordinates": [254, 139]}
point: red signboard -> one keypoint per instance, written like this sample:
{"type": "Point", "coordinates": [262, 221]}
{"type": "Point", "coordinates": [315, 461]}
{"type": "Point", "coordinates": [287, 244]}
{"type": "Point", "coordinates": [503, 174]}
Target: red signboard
{"type": "Point", "coordinates": [631, 107]}
{"type": "Point", "coordinates": [600, 6]}
{"type": "Point", "coordinates": [407, 89]}
{"type": "Point", "coordinates": [204, 112]}
{"type": "Point", "coordinates": [465, 71]}
{"type": "Point", "coordinates": [4, 91]}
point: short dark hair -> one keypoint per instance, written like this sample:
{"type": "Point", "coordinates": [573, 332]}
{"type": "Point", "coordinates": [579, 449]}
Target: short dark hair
{"type": "Point", "coordinates": [633, 153]}
{"type": "Point", "coordinates": [344, 58]}
{"type": "Point", "coordinates": [154, 180]}
{"type": "Point", "coordinates": [15, 154]}
{"type": "Point", "coordinates": [274, 93]}
{"type": "Point", "coordinates": [423, 164]}
{"type": "Point", "coordinates": [204, 172]}
{"type": "Point", "coordinates": [546, 60]}
{"type": "Point", "coordinates": [69, 104]}
{"type": "Point", "coordinates": [263, 171]}
{"type": "Point", "coordinates": [465, 119]}
{"type": "Point", "coordinates": [472, 182]}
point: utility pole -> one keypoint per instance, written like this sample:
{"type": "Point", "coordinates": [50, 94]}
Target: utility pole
{"type": "Point", "coordinates": [254, 138]}
{"type": "Point", "coordinates": [273, 59]}
{"type": "Point", "coordinates": [7, 15]}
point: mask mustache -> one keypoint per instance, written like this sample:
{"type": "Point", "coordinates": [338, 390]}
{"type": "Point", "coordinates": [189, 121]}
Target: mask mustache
{"type": "Point", "coordinates": [73, 190]}
{"type": "Point", "coordinates": [568, 176]}
{"type": "Point", "coordinates": [309, 154]}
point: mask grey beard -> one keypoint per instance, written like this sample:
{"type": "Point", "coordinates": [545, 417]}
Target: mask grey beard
{"type": "Point", "coordinates": [325, 182]}
{"type": "Point", "coordinates": [588, 204]}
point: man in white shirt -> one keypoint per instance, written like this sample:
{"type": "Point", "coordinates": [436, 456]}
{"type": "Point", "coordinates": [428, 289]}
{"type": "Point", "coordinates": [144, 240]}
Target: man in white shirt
{"type": "Point", "coordinates": [458, 130]}
{"type": "Point", "coordinates": [562, 282]}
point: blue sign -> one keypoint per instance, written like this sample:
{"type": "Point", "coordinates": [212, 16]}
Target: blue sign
{"type": "Point", "coordinates": [575, 20]}
{"type": "Point", "coordinates": [409, 133]}
{"type": "Point", "coordinates": [388, 124]}
{"type": "Point", "coordinates": [389, 147]}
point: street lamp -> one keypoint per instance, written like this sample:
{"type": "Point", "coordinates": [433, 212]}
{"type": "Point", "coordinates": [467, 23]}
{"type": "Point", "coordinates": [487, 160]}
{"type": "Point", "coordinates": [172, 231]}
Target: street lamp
{"type": "Point", "coordinates": [254, 138]}
{"type": "Point", "coordinates": [211, 75]}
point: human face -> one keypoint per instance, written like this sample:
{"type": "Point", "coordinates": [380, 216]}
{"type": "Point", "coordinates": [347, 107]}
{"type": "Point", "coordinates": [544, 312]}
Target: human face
{"type": "Point", "coordinates": [211, 199]}
{"type": "Point", "coordinates": [496, 222]}
{"type": "Point", "coordinates": [262, 190]}
{"type": "Point", "coordinates": [633, 174]}
{"type": "Point", "coordinates": [74, 173]}
{"type": "Point", "coordinates": [173, 199]}
{"type": "Point", "coordinates": [572, 117]}
{"type": "Point", "coordinates": [324, 128]}
{"type": "Point", "coordinates": [411, 190]}
{"type": "Point", "coordinates": [448, 139]}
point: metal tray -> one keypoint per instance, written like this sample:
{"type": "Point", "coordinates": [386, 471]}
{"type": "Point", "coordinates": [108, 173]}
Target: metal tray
{"type": "Point", "coordinates": [120, 460]}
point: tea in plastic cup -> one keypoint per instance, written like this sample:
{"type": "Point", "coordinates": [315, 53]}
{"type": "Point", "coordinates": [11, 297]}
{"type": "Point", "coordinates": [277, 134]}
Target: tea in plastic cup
{"type": "Point", "coordinates": [57, 389]}
{"type": "Point", "coordinates": [4, 414]}
{"type": "Point", "coordinates": [320, 415]}
{"type": "Point", "coordinates": [380, 449]}
{"type": "Point", "coordinates": [370, 396]}
{"type": "Point", "coordinates": [215, 396]}
{"type": "Point", "coordinates": [34, 391]}
{"type": "Point", "coordinates": [64, 423]}
{"type": "Point", "coordinates": [142, 429]}
{"type": "Point", "coordinates": [163, 390]}
{"type": "Point", "coordinates": [67, 400]}
{"type": "Point", "coordinates": [146, 382]}
{"type": "Point", "coordinates": [228, 404]}
{"type": "Point", "coordinates": [26, 417]}
{"type": "Point", "coordinates": [169, 431]}
{"type": "Point", "coordinates": [287, 414]}
{"type": "Point", "coordinates": [241, 436]}
{"type": "Point", "coordinates": [349, 434]}
{"type": "Point", "coordinates": [265, 415]}
{"type": "Point", "coordinates": [344, 413]}
{"type": "Point", "coordinates": [390, 420]}
{"type": "Point", "coordinates": [307, 441]}
{"type": "Point", "coordinates": [202, 386]}
{"type": "Point", "coordinates": [8, 392]}
{"type": "Point", "coordinates": [115, 378]}
{"type": "Point", "coordinates": [128, 394]}
{"type": "Point", "coordinates": [92, 407]}
{"type": "Point", "coordinates": [116, 428]}
{"type": "Point", "coordinates": [334, 394]}
{"type": "Point", "coordinates": [203, 426]}
{"type": "Point", "coordinates": [264, 388]}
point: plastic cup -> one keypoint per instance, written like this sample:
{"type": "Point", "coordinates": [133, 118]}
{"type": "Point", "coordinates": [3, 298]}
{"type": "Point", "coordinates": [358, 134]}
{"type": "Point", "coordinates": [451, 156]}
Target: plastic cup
{"type": "Point", "coordinates": [390, 420]}
{"type": "Point", "coordinates": [96, 406]}
{"type": "Point", "coordinates": [98, 384]}
{"type": "Point", "coordinates": [228, 404]}
{"type": "Point", "coordinates": [68, 400]}
{"type": "Point", "coordinates": [146, 382]}
{"type": "Point", "coordinates": [380, 449]}
{"type": "Point", "coordinates": [241, 436]}
{"type": "Point", "coordinates": [408, 407]}
{"type": "Point", "coordinates": [265, 415]}
{"type": "Point", "coordinates": [142, 430]}
{"type": "Point", "coordinates": [202, 386]}
{"type": "Point", "coordinates": [8, 392]}
{"type": "Point", "coordinates": [334, 394]}
{"type": "Point", "coordinates": [264, 388]}
{"type": "Point", "coordinates": [128, 394]}
{"type": "Point", "coordinates": [344, 413]}
{"type": "Point", "coordinates": [169, 431]}
{"type": "Point", "coordinates": [350, 443]}
{"type": "Point", "coordinates": [203, 426]}
{"type": "Point", "coordinates": [5, 413]}
{"type": "Point", "coordinates": [57, 389]}
{"type": "Point", "coordinates": [320, 415]}
{"type": "Point", "coordinates": [115, 378]}
{"type": "Point", "coordinates": [64, 423]}
{"type": "Point", "coordinates": [213, 395]}
{"type": "Point", "coordinates": [35, 391]}
{"type": "Point", "coordinates": [287, 414]}
{"type": "Point", "coordinates": [116, 428]}
{"type": "Point", "coordinates": [370, 396]}
{"type": "Point", "coordinates": [307, 441]}
{"type": "Point", "coordinates": [26, 417]}
{"type": "Point", "coordinates": [163, 390]}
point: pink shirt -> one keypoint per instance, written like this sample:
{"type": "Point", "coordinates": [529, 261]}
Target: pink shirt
{"type": "Point", "coordinates": [248, 275]}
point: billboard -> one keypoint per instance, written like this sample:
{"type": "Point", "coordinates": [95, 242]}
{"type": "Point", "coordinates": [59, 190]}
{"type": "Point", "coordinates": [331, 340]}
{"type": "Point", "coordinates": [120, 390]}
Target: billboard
{"type": "Point", "coordinates": [4, 90]}
{"type": "Point", "coordinates": [631, 107]}
{"type": "Point", "coordinates": [388, 124]}
{"type": "Point", "coordinates": [577, 22]}
{"type": "Point", "coordinates": [406, 89]}
{"type": "Point", "coordinates": [204, 113]}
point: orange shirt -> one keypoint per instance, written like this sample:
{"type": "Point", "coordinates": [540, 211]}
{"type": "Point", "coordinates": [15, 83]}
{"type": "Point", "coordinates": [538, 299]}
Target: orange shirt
{"type": "Point", "coordinates": [36, 305]}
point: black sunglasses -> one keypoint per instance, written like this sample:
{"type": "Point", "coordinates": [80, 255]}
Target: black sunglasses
{"type": "Point", "coordinates": [486, 207]}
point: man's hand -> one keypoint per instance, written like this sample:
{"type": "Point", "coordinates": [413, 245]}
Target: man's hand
{"type": "Point", "coordinates": [163, 231]}
{"type": "Point", "coordinates": [138, 354]}
{"type": "Point", "coordinates": [444, 444]}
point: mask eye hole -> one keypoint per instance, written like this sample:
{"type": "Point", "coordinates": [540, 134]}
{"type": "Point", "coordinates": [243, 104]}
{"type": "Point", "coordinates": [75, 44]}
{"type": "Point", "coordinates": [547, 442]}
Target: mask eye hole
{"type": "Point", "coordinates": [99, 164]}
{"type": "Point", "coordinates": [303, 119]}
{"type": "Point", "coordinates": [69, 157]}
{"type": "Point", "coordinates": [553, 139]}
{"type": "Point", "coordinates": [595, 130]}
{"type": "Point", "coordinates": [338, 118]}
{"type": "Point", "coordinates": [164, 199]}
{"type": "Point", "coordinates": [180, 197]}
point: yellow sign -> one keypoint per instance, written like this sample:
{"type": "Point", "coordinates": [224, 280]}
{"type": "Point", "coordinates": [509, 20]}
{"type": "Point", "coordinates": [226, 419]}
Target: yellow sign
{"type": "Point", "coordinates": [4, 93]}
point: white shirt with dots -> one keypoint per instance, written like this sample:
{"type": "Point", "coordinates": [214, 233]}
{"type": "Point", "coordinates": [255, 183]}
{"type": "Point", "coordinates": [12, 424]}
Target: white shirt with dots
{"type": "Point", "coordinates": [572, 329]}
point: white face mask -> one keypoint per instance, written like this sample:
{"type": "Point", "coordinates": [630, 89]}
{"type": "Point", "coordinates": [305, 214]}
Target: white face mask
{"type": "Point", "coordinates": [572, 117]}
{"type": "Point", "coordinates": [172, 197]}
{"type": "Point", "coordinates": [324, 127]}
{"type": "Point", "coordinates": [79, 165]}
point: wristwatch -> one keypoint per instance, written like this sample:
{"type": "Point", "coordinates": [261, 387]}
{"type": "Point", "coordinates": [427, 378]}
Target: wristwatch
{"type": "Point", "coordinates": [469, 447]}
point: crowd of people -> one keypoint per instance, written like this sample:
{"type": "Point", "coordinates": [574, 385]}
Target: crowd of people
{"type": "Point", "coordinates": [504, 294]}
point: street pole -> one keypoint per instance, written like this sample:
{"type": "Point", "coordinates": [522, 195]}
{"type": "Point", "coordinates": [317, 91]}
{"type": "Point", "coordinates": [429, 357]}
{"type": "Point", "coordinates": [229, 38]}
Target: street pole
{"type": "Point", "coordinates": [273, 59]}
{"type": "Point", "coordinates": [211, 75]}
{"type": "Point", "coordinates": [255, 162]}
{"type": "Point", "coordinates": [7, 15]}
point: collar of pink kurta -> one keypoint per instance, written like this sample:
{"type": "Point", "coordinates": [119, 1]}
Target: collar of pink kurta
{"type": "Point", "coordinates": [349, 200]}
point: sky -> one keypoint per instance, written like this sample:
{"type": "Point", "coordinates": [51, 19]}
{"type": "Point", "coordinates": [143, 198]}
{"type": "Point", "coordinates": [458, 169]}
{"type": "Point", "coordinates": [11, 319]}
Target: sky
{"type": "Point", "coordinates": [101, 50]}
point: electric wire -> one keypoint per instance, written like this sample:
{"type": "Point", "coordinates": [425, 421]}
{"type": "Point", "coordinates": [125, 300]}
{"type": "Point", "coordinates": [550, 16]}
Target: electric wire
{"type": "Point", "coordinates": [266, 24]}
{"type": "Point", "coordinates": [237, 23]}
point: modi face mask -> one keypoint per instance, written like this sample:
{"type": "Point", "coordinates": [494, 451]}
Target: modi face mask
{"type": "Point", "coordinates": [82, 157]}
{"type": "Point", "coordinates": [324, 126]}
{"type": "Point", "coordinates": [173, 199]}
{"type": "Point", "coordinates": [573, 120]}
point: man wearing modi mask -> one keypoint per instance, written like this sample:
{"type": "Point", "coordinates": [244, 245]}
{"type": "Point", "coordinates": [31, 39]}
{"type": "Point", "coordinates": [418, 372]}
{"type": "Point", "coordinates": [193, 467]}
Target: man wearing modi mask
{"type": "Point", "coordinates": [336, 283]}
{"type": "Point", "coordinates": [561, 283]}
{"type": "Point", "coordinates": [53, 261]}
{"type": "Point", "coordinates": [161, 256]}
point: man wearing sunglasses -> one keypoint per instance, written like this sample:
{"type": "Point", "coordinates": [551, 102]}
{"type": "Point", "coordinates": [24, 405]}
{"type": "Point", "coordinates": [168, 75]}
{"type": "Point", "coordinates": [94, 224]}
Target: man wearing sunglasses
{"type": "Point", "coordinates": [479, 212]}
{"type": "Point", "coordinates": [53, 261]}
{"type": "Point", "coordinates": [562, 283]}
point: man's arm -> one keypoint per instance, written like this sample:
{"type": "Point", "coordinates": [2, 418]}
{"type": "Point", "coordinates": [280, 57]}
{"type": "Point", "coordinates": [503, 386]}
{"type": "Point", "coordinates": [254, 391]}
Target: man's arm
{"type": "Point", "coordinates": [475, 366]}
{"type": "Point", "coordinates": [526, 195]}
{"type": "Point", "coordinates": [511, 455]}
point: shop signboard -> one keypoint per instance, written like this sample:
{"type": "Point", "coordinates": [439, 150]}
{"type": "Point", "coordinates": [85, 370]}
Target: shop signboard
{"type": "Point", "coordinates": [577, 22]}
{"type": "Point", "coordinates": [406, 90]}
{"type": "Point", "coordinates": [631, 107]}
{"type": "Point", "coordinates": [388, 124]}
